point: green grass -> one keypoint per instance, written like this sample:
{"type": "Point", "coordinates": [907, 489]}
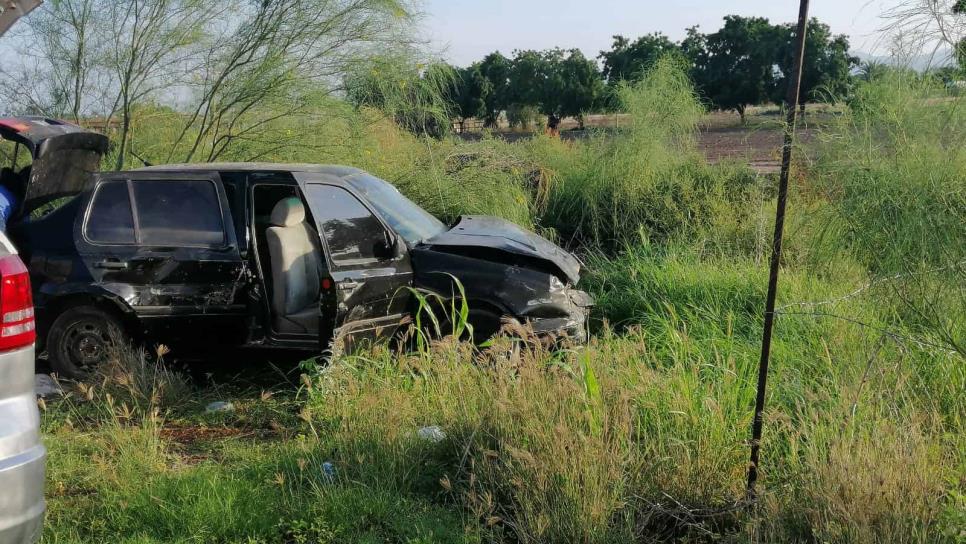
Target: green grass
{"type": "Point", "coordinates": [642, 434]}
{"type": "Point", "coordinates": [591, 445]}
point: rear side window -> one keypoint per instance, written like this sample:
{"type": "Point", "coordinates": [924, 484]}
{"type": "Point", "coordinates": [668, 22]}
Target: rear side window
{"type": "Point", "coordinates": [166, 213]}
{"type": "Point", "coordinates": [110, 220]}
{"type": "Point", "coordinates": [178, 213]}
{"type": "Point", "coordinates": [351, 231]}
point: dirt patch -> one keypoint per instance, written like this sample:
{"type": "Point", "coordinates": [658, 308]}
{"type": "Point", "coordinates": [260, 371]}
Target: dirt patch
{"type": "Point", "coordinates": [759, 148]}
{"type": "Point", "coordinates": [188, 435]}
{"type": "Point", "coordinates": [721, 136]}
{"type": "Point", "coordinates": [188, 443]}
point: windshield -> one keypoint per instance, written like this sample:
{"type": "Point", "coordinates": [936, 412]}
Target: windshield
{"type": "Point", "coordinates": [413, 223]}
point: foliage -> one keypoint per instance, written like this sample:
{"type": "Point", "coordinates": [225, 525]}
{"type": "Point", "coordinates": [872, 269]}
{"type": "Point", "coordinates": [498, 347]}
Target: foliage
{"type": "Point", "coordinates": [734, 68]}
{"type": "Point", "coordinates": [274, 60]}
{"type": "Point", "coordinates": [523, 116]}
{"type": "Point", "coordinates": [871, 70]}
{"type": "Point", "coordinates": [529, 71]}
{"type": "Point", "coordinates": [893, 171]}
{"type": "Point", "coordinates": [827, 67]}
{"type": "Point", "coordinates": [496, 69]}
{"type": "Point", "coordinates": [627, 60]}
{"type": "Point", "coordinates": [578, 87]}
{"type": "Point", "coordinates": [649, 182]}
{"type": "Point", "coordinates": [416, 96]}
{"type": "Point", "coordinates": [745, 62]}
{"type": "Point", "coordinates": [640, 435]}
{"type": "Point", "coordinates": [469, 93]}
{"type": "Point", "coordinates": [558, 83]}
{"type": "Point", "coordinates": [926, 26]}
{"type": "Point", "coordinates": [232, 68]}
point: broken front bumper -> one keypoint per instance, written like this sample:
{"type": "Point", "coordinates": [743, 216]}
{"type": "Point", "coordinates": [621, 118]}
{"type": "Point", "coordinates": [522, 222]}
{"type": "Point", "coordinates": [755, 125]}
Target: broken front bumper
{"type": "Point", "coordinates": [571, 313]}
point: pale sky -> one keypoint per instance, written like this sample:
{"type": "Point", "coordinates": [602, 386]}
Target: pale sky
{"type": "Point", "coordinates": [466, 30]}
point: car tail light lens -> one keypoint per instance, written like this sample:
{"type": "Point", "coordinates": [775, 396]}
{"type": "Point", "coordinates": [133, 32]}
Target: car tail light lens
{"type": "Point", "coordinates": [17, 328]}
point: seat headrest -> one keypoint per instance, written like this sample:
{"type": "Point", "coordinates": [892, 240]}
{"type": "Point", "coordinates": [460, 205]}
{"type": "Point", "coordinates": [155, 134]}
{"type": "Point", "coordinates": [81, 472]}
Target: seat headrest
{"type": "Point", "coordinates": [288, 212]}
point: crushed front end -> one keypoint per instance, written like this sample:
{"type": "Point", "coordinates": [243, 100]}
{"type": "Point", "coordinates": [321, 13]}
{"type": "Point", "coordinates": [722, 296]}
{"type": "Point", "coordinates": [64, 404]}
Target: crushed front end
{"type": "Point", "coordinates": [508, 272]}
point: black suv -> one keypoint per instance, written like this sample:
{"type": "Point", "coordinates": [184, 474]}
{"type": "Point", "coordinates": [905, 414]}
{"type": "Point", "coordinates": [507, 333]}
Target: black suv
{"type": "Point", "coordinates": [273, 255]}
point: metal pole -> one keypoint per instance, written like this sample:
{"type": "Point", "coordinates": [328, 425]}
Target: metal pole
{"type": "Point", "coordinates": [776, 252]}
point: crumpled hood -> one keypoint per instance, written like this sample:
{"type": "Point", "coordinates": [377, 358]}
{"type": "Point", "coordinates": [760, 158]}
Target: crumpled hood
{"type": "Point", "coordinates": [494, 233]}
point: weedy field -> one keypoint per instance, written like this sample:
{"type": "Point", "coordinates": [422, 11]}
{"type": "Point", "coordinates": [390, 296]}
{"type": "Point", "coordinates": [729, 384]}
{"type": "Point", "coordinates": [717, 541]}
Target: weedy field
{"type": "Point", "coordinates": [642, 434]}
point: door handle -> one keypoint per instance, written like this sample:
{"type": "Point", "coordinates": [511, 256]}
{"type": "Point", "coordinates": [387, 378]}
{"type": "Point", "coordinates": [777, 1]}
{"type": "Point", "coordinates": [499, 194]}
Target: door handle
{"type": "Point", "coordinates": [110, 265]}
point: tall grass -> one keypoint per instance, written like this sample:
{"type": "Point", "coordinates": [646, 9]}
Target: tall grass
{"type": "Point", "coordinates": [650, 180]}
{"type": "Point", "coordinates": [534, 454]}
{"type": "Point", "coordinates": [892, 172]}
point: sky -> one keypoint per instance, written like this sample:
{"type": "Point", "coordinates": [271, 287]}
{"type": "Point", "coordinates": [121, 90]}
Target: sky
{"type": "Point", "coordinates": [464, 31]}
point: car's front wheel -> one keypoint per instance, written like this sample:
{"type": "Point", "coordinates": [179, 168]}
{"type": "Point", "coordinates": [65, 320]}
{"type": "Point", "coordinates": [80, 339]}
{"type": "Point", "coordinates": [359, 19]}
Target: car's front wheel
{"type": "Point", "coordinates": [81, 339]}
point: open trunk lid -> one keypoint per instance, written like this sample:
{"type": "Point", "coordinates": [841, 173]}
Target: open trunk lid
{"type": "Point", "coordinates": [64, 157]}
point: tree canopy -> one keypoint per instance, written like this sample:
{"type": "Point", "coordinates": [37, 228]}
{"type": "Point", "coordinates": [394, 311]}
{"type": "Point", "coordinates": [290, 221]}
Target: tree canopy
{"type": "Point", "coordinates": [628, 60]}
{"type": "Point", "coordinates": [734, 68]}
{"type": "Point", "coordinates": [746, 62]}
{"type": "Point", "coordinates": [960, 9]}
{"type": "Point", "coordinates": [232, 59]}
{"type": "Point", "coordinates": [469, 93]}
{"type": "Point", "coordinates": [495, 68]}
{"type": "Point", "coordinates": [827, 62]}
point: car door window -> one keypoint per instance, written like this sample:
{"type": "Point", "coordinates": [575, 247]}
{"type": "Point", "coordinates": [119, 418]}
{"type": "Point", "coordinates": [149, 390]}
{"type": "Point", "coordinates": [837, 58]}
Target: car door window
{"type": "Point", "coordinates": [178, 213]}
{"type": "Point", "coordinates": [110, 220]}
{"type": "Point", "coordinates": [351, 231]}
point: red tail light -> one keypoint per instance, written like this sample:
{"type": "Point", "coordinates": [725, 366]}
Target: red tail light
{"type": "Point", "coordinates": [17, 327]}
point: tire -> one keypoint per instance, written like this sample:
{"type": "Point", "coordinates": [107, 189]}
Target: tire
{"type": "Point", "coordinates": [82, 338]}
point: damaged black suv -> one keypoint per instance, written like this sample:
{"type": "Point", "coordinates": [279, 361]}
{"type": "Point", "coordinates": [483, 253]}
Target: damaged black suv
{"type": "Point", "coordinates": [269, 255]}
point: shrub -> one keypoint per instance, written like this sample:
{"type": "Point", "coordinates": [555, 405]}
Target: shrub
{"type": "Point", "coordinates": [649, 179]}
{"type": "Point", "coordinates": [892, 171]}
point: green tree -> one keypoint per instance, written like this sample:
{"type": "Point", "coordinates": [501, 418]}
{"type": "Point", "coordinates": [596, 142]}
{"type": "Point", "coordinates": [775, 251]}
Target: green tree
{"type": "Point", "coordinates": [578, 86]}
{"type": "Point", "coordinates": [960, 9]}
{"type": "Point", "coordinates": [417, 97]}
{"type": "Point", "coordinates": [628, 60]}
{"type": "Point", "coordinates": [272, 60]}
{"type": "Point", "coordinates": [734, 67]}
{"type": "Point", "coordinates": [694, 50]}
{"type": "Point", "coordinates": [229, 68]}
{"type": "Point", "coordinates": [528, 77]}
{"type": "Point", "coordinates": [495, 68]}
{"type": "Point", "coordinates": [871, 70]}
{"type": "Point", "coordinates": [558, 83]}
{"type": "Point", "coordinates": [959, 48]}
{"type": "Point", "coordinates": [827, 65]}
{"type": "Point", "coordinates": [469, 94]}
{"type": "Point", "coordinates": [149, 42]}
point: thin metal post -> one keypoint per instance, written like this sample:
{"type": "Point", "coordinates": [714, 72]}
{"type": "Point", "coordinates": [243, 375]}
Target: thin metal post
{"type": "Point", "coordinates": [791, 103]}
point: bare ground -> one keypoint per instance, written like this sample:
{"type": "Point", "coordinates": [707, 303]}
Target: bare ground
{"type": "Point", "coordinates": [721, 136]}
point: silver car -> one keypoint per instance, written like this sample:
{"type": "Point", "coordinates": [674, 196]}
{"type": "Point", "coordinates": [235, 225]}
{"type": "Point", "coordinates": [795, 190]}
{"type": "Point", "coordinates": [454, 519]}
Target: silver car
{"type": "Point", "coordinates": [22, 456]}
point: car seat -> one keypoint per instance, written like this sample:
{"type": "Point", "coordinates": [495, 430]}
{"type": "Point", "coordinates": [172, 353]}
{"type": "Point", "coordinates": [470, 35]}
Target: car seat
{"type": "Point", "coordinates": [296, 261]}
